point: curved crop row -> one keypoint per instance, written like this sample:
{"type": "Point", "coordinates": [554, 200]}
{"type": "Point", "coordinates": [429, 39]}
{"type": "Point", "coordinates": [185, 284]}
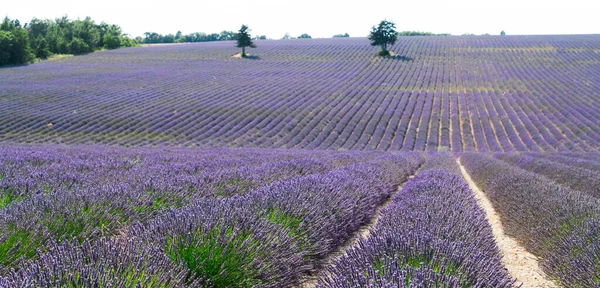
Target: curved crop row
{"type": "Point", "coordinates": [49, 194]}
{"type": "Point", "coordinates": [271, 234]}
{"type": "Point", "coordinates": [557, 224]}
{"type": "Point", "coordinates": [432, 234]}
{"type": "Point", "coordinates": [580, 179]}
{"type": "Point", "coordinates": [482, 94]}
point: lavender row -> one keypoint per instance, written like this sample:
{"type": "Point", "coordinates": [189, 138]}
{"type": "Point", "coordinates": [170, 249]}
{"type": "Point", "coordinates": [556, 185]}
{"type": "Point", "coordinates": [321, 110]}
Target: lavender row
{"type": "Point", "coordinates": [275, 235]}
{"type": "Point", "coordinates": [443, 160]}
{"type": "Point", "coordinates": [555, 223]}
{"type": "Point", "coordinates": [105, 263]}
{"type": "Point", "coordinates": [348, 196]}
{"type": "Point", "coordinates": [432, 234]}
{"type": "Point", "coordinates": [111, 191]}
{"type": "Point", "coordinates": [265, 224]}
{"type": "Point", "coordinates": [27, 171]}
{"type": "Point", "coordinates": [583, 160]}
{"type": "Point", "coordinates": [581, 179]}
{"type": "Point", "coordinates": [497, 94]}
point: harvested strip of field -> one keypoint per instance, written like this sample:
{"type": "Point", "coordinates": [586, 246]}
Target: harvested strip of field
{"type": "Point", "coordinates": [519, 263]}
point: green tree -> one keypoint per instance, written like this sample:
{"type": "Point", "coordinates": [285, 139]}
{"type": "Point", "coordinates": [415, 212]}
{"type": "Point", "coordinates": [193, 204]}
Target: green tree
{"type": "Point", "coordinates": [38, 27]}
{"type": "Point", "coordinates": [383, 35]}
{"type": "Point", "coordinates": [14, 43]}
{"type": "Point", "coordinates": [113, 37]}
{"type": "Point", "coordinates": [341, 35]}
{"type": "Point", "coordinates": [244, 39]}
{"type": "Point", "coordinates": [78, 46]}
{"type": "Point", "coordinates": [502, 33]}
{"type": "Point", "coordinates": [304, 36]}
{"type": "Point", "coordinates": [41, 48]}
{"type": "Point", "coordinates": [112, 41]}
{"type": "Point", "coordinates": [88, 32]}
{"type": "Point", "coordinates": [6, 41]}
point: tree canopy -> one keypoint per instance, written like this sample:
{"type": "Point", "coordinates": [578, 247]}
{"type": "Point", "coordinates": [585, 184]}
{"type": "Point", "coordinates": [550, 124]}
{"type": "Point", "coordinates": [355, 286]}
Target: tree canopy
{"type": "Point", "coordinates": [383, 35]}
{"type": "Point", "coordinates": [341, 35]}
{"type": "Point", "coordinates": [14, 44]}
{"type": "Point", "coordinates": [304, 36]}
{"type": "Point", "coordinates": [41, 38]}
{"type": "Point", "coordinates": [244, 39]}
{"type": "Point", "coordinates": [419, 33]}
{"type": "Point", "coordinates": [154, 38]}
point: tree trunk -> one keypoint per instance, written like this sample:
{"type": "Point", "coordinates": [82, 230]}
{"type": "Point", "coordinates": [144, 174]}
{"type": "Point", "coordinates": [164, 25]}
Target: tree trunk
{"type": "Point", "coordinates": [243, 51]}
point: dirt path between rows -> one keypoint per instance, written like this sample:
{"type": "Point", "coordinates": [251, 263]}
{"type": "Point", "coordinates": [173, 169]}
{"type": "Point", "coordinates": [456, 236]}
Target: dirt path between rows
{"type": "Point", "coordinates": [519, 263]}
{"type": "Point", "coordinates": [363, 232]}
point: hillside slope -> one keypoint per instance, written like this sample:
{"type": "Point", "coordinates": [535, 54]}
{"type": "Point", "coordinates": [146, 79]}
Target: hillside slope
{"type": "Point", "coordinates": [512, 93]}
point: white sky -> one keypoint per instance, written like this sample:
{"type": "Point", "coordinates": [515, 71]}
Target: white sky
{"type": "Point", "coordinates": [323, 18]}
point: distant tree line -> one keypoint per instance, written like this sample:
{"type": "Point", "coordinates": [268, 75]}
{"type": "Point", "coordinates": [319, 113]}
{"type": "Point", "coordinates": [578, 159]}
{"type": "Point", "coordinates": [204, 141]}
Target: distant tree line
{"type": "Point", "coordinates": [155, 38]}
{"type": "Point", "coordinates": [345, 35]}
{"type": "Point", "coordinates": [418, 33]}
{"type": "Point", "coordinates": [41, 38]}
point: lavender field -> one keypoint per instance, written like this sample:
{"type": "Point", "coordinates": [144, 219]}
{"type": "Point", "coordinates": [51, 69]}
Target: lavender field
{"type": "Point", "coordinates": [312, 164]}
{"type": "Point", "coordinates": [476, 94]}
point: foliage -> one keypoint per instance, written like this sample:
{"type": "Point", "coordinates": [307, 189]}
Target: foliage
{"type": "Point", "coordinates": [14, 44]}
{"type": "Point", "coordinates": [244, 39]}
{"type": "Point", "coordinates": [42, 38]}
{"type": "Point", "coordinates": [345, 35]}
{"type": "Point", "coordinates": [304, 36]}
{"type": "Point", "coordinates": [383, 35]}
{"type": "Point", "coordinates": [155, 38]}
{"type": "Point", "coordinates": [41, 48]}
{"type": "Point", "coordinates": [502, 33]}
{"type": "Point", "coordinates": [417, 33]}
{"type": "Point", "coordinates": [114, 38]}
{"type": "Point", "coordinates": [78, 46]}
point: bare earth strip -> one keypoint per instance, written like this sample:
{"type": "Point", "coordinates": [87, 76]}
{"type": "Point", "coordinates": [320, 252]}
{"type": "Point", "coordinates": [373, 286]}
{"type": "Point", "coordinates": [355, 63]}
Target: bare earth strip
{"type": "Point", "coordinates": [519, 263]}
{"type": "Point", "coordinates": [363, 232]}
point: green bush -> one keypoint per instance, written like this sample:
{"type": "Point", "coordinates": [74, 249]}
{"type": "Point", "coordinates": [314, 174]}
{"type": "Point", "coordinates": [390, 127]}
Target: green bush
{"type": "Point", "coordinates": [112, 41]}
{"type": "Point", "coordinates": [78, 46]}
{"type": "Point", "coordinates": [14, 44]}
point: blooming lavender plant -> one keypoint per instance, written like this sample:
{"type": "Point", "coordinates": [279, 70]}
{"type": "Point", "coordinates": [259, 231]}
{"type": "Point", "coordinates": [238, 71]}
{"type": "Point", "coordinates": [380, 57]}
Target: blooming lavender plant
{"type": "Point", "coordinates": [552, 221]}
{"type": "Point", "coordinates": [581, 179]}
{"type": "Point", "coordinates": [105, 263]}
{"type": "Point", "coordinates": [432, 234]}
{"type": "Point", "coordinates": [466, 94]}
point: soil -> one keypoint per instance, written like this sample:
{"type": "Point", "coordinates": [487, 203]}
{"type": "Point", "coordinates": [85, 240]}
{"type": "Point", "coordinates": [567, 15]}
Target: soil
{"type": "Point", "coordinates": [519, 263]}
{"type": "Point", "coordinates": [363, 232]}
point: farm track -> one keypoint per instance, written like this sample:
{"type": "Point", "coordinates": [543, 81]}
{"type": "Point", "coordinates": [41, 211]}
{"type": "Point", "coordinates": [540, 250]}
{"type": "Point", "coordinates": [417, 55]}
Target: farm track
{"type": "Point", "coordinates": [519, 263]}
{"type": "Point", "coordinates": [363, 232]}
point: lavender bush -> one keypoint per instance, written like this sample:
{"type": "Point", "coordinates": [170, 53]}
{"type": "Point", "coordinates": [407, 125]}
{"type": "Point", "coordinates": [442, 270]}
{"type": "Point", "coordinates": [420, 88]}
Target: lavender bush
{"type": "Point", "coordinates": [552, 221]}
{"type": "Point", "coordinates": [106, 263]}
{"type": "Point", "coordinates": [581, 179]}
{"type": "Point", "coordinates": [480, 94]}
{"type": "Point", "coordinates": [432, 234]}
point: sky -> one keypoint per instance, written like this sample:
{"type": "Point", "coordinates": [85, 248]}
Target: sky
{"type": "Point", "coordinates": [322, 18]}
